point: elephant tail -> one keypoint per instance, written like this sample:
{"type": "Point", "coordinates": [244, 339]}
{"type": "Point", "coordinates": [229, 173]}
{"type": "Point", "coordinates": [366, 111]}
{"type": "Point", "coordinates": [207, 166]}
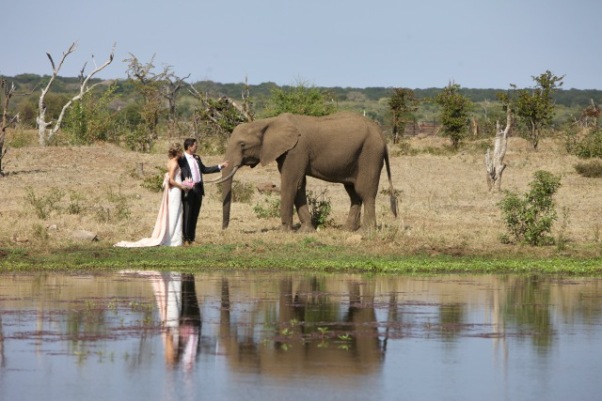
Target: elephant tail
{"type": "Point", "coordinates": [392, 194]}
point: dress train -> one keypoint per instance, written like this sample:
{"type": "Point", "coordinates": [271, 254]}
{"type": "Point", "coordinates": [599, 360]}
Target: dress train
{"type": "Point", "coordinates": [168, 226]}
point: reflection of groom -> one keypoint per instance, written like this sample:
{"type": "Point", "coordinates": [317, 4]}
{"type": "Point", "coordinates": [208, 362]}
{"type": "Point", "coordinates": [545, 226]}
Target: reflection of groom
{"type": "Point", "coordinates": [192, 167]}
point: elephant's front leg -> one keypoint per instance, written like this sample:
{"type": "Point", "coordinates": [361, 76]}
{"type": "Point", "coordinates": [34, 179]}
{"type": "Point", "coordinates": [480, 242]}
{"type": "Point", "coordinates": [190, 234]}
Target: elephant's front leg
{"type": "Point", "coordinates": [292, 193]}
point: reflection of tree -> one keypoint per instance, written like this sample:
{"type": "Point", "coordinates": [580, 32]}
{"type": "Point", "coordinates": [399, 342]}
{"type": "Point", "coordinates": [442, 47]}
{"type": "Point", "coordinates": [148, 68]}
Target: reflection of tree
{"type": "Point", "coordinates": [2, 363]}
{"type": "Point", "coordinates": [527, 304]}
{"type": "Point", "coordinates": [451, 317]}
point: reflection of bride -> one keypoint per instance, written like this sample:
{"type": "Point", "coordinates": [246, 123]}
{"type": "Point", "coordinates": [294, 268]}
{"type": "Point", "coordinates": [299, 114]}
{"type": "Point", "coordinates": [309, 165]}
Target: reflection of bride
{"type": "Point", "coordinates": [168, 227]}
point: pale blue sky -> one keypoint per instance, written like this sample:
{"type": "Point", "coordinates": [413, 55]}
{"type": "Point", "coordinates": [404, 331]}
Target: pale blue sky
{"type": "Point", "coordinates": [347, 43]}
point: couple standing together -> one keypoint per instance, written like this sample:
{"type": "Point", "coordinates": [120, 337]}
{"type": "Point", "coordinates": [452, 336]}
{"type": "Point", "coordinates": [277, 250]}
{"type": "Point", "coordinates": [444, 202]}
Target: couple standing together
{"type": "Point", "coordinates": [183, 193]}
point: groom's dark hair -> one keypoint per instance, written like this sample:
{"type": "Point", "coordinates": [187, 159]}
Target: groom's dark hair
{"type": "Point", "coordinates": [188, 142]}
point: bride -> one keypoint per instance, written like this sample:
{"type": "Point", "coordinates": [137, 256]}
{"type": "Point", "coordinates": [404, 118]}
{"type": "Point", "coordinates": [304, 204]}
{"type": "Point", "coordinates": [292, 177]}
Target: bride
{"type": "Point", "coordinates": [168, 227]}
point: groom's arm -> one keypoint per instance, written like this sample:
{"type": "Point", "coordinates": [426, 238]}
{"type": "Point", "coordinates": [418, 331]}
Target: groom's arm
{"type": "Point", "coordinates": [209, 169]}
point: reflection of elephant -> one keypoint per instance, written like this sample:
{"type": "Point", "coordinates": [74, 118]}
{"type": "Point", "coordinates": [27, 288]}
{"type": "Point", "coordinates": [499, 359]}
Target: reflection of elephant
{"type": "Point", "coordinates": [344, 147]}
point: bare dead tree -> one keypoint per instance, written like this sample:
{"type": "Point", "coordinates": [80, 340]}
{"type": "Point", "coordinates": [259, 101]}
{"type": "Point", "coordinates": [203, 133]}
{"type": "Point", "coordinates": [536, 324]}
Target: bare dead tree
{"type": "Point", "coordinates": [170, 90]}
{"type": "Point", "coordinates": [8, 92]}
{"type": "Point", "coordinates": [474, 127]}
{"type": "Point", "coordinates": [494, 163]}
{"type": "Point", "coordinates": [44, 132]}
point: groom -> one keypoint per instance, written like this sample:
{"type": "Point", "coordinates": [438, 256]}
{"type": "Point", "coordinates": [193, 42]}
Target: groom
{"type": "Point", "coordinates": [192, 168]}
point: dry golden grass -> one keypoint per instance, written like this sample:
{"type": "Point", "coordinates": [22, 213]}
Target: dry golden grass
{"type": "Point", "coordinates": [445, 205]}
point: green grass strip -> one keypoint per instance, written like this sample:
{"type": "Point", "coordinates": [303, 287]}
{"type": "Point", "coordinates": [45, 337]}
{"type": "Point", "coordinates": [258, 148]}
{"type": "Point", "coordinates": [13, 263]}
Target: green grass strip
{"type": "Point", "coordinates": [288, 257]}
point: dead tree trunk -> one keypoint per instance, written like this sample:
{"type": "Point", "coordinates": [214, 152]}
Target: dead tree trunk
{"type": "Point", "coordinates": [41, 119]}
{"type": "Point", "coordinates": [494, 163]}
{"type": "Point", "coordinates": [44, 132]}
{"type": "Point", "coordinates": [8, 93]}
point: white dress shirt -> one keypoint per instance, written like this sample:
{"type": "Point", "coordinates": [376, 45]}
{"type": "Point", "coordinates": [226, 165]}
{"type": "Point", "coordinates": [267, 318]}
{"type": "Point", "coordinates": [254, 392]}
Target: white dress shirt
{"type": "Point", "coordinates": [194, 168]}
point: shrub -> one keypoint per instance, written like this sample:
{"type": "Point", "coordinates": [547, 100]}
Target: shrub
{"type": "Point", "coordinates": [117, 210]}
{"type": "Point", "coordinates": [75, 205]}
{"type": "Point", "coordinates": [155, 182]}
{"type": "Point", "coordinates": [592, 169]}
{"type": "Point", "coordinates": [529, 219]}
{"type": "Point", "coordinates": [319, 208]}
{"type": "Point", "coordinates": [45, 204]}
{"type": "Point", "coordinates": [269, 208]}
{"type": "Point", "coordinates": [589, 146]}
{"type": "Point", "coordinates": [240, 192]}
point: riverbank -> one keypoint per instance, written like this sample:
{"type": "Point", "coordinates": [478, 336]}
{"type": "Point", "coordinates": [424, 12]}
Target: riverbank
{"type": "Point", "coordinates": [307, 256]}
{"type": "Point", "coordinates": [448, 220]}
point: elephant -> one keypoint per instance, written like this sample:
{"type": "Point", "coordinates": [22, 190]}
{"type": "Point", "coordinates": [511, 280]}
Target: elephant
{"type": "Point", "coordinates": [342, 148]}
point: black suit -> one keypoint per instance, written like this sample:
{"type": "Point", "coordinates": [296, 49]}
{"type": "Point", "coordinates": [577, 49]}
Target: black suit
{"type": "Point", "coordinates": [193, 199]}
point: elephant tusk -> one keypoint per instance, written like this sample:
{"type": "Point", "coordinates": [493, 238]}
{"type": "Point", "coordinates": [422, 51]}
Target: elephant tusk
{"type": "Point", "coordinates": [222, 179]}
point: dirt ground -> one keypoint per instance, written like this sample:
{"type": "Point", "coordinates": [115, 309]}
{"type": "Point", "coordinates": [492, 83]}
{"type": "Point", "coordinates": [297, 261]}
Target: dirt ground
{"type": "Point", "coordinates": [444, 203]}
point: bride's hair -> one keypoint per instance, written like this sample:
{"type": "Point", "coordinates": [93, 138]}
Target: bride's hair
{"type": "Point", "coordinates": [174, 149]}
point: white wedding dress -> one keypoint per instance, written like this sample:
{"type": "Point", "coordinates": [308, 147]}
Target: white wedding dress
{"type": "Point", "coordinates": [168, 227]}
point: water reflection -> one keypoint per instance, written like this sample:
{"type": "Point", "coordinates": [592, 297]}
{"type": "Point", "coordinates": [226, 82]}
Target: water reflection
{"type": "Point", "coordinates": [179, 314]}
{"type": "Point", "coordinates": [303, 326]}
{"type": "Point", "coordinates": [266, 335]}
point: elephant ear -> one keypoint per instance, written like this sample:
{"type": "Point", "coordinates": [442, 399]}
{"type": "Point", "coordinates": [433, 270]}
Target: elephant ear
{"type": "Point", "coordinates": [279, 136]}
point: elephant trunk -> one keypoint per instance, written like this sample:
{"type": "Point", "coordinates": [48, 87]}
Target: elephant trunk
{"type": "Point", "coordinates": [228, 178]}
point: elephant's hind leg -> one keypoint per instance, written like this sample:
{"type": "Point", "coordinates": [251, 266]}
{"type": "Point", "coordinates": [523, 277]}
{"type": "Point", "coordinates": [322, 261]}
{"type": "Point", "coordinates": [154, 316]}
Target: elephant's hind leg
{"type": "Point", "coordinates": [355, 210]}
{"type": "Point", "coordinates": [302, 208]}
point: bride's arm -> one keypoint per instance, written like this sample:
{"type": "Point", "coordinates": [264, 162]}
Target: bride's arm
{"type": "Point", "coordinates": [172, 166]}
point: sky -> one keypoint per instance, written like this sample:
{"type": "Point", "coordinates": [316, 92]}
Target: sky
{"type": "Point", "coordinates": [324, 43]}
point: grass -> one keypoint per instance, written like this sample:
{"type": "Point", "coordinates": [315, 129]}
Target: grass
{"type": "Point", "coordinates": [448, 221]}
{"type": "Point", "coordinates": [290, 257]}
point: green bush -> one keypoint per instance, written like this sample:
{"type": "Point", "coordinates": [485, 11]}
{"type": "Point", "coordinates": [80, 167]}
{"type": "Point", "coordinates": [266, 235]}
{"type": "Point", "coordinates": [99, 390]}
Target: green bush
{"type": "Point", "coordinates": [592, 169]}
{"type": "Point", "coordinates": [529, 219]}
{"type": "Point", "coordinates": [319, 208]}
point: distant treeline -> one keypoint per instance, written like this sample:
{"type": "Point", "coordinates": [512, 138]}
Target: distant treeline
{"type": "Point", "coordinates": [564, 97]}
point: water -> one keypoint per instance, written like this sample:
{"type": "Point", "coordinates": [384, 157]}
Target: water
{"type": "Point", "coordinates": [271, 336]}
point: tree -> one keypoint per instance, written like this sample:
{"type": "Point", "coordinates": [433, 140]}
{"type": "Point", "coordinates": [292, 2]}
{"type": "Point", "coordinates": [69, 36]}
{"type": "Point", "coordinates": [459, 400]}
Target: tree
{"type": "Point", "coordinates": [44, 132]}
{"type": "Point", "coordinates": [590, 115]}
{"type": "Point", "coordinates": [402, 104]}
{"type": "Point", "coordinates": [222, 114]}
{"type": "Point", "coordinates": [454, 113]}
{"type": "Point", "coordinates": [92, 118]}
{"type": "Point", "coordinates": [148, 85]}
{"type": "Point", "coordinates": [171, 86]}
{"type": "Point", "coordinates": [7, 92]}
{"type": "Point", "coordinates": [300, 99]}
{"type": "Point", "coordinates": [494, 162]}
{"type": "Point", "coordinates": [535, 107]}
